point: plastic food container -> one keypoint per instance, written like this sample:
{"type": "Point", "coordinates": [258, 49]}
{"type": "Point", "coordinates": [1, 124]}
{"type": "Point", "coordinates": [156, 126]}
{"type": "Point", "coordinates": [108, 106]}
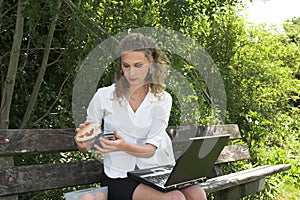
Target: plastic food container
{"type": "Point", "coordinates": [76, 195]}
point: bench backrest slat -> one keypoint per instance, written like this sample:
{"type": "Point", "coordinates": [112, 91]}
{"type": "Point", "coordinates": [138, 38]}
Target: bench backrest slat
{"type": "Point", "coordinates": [234, 153]}
{"type": "Point", "coordinates": [21, 179]}
{"type": "Point", "coordinates": [230, 153]}
{"type": "Point", "coordinates": [26, 141]}
{"type": "Point", "coordinates": [182, 133]}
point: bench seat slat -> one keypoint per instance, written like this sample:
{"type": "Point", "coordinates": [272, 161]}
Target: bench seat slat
{"type": "Point", "coordinates": [240, 191]}
{"type": "Point", "coordinates": [242, 177]}
{"type": "Point", "coordinates": [21, 179]}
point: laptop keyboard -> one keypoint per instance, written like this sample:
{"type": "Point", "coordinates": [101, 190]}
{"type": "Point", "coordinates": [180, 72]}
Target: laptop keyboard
{"type": "Point", "coordinates": [160, 179]}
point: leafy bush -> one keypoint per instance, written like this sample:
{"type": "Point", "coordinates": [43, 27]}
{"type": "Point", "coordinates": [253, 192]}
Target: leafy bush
{"type": "Point", "coordinates": [259, 66]}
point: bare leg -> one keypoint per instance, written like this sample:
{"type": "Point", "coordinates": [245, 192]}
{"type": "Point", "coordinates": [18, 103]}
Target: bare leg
{"type": "Point", "coordinates": [194, 192]}
{"type": "Point", "coordinates": [100, 196]}
{"type": "Point", "coordinates": [87, 197]}
{"type": "Point", "coordinates": [96, 196]}
{"type": "Point", "coordinates": [143, 192]}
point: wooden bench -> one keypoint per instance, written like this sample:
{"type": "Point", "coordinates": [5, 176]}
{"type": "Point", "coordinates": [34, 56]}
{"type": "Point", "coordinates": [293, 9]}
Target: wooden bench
{"type": "Point", "coordinates": [16, 180]}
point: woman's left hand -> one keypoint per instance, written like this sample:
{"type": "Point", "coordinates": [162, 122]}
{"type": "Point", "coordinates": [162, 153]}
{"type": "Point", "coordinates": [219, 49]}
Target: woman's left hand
{"type": "Point", "coordinates": [110, 145]}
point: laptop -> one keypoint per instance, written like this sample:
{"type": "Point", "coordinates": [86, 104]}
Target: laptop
{"type": "Point", "coordinates": [192, 167]}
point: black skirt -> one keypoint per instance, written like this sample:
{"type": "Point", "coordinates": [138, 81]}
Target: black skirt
{"type": "Point", "coordinates": [119, 188]}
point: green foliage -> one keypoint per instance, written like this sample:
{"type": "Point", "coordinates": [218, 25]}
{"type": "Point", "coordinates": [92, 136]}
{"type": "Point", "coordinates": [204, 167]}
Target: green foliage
{"type": "Point", "coordinates": [292, 29]}
{"type": "Point", "coordinates": [264, 96]}
{"type": "Point", "coordinates": [260, 69]}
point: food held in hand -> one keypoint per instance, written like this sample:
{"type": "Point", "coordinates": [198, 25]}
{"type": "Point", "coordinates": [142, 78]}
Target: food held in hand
{"type": "Point", "coordinates": [88, 132]}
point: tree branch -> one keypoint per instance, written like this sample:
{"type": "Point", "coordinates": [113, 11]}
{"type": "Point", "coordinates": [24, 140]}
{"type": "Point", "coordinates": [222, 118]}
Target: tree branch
{"type": "Point", "coordinates": [53, 104]}
{"type": "Point", "coordinates": [43, 67]}
{"type": "Point", "coordinates": [73, 6]}
{"type": "Point", "coordinates": [7, 92]}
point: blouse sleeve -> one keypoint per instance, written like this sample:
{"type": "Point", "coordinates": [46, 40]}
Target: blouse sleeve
{"type": "Point", "coordinates": [95, 112]}
{"type": "Point", "coordinates": [161, 113]}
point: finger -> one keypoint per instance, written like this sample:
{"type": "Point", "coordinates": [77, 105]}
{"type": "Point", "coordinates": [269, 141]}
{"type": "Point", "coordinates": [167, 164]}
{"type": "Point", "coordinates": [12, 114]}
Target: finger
{"type": "Point", "coordinates": [86, 123]}
{"type": "Point", "coordinates": [108, 145]}
{"type": "Point", "coordinates": [98, 148]}
{"type": "Point", "coordinates": [79, 144]}
{"type": "Point", "coordinates": [117, 135]}
{"type": "Point", "coordinates": [77, 130]}
{"type": "Point", "coordinates": [82, 125]}
{"type": "Point", "coordinates": [101, 150]}
{"type": "Point", "coordinates": [104, 145]}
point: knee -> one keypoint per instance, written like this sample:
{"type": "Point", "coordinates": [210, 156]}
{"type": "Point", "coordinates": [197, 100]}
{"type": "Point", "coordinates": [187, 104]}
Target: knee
{"type": "Point", "coordinates": [201, 194]}
{"type": "Point", "coordinates": [176, 195]}
{"type": "Point", "coordinates": [194, 192]}
{"type": "Point", "coordinates": [198, 193]}
{"type": "Point", "coordinates": [87, 197]}
{"type": "Point", "coordinates": [100, 196]}
{"type": "Point", "coordinates": [96, 196]}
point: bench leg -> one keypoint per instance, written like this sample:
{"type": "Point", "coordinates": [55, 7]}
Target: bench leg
{"type": "Point", "coordinates": [240, 191]}
{"type": "Point", "coordinates": [7, 162]}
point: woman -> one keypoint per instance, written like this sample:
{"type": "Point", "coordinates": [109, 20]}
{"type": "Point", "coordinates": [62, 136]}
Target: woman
{"type": "Point", "coordinates": [137, 109]}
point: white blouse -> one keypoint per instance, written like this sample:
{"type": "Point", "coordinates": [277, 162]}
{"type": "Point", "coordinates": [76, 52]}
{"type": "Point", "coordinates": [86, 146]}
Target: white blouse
{"type": "Point", "coordinates": [147, 125]}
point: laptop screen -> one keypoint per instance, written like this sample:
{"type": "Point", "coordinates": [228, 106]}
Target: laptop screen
{"type": "Point", "coordinates": [198, 160]}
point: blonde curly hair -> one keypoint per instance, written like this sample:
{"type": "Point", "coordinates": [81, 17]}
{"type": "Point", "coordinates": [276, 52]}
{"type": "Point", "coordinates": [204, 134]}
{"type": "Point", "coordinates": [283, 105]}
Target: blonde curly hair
{"type": "Point", "coordinates": [155, 79]}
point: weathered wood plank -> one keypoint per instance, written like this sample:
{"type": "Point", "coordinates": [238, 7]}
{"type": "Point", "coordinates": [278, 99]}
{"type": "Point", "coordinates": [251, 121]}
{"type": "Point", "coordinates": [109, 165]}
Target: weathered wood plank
{"type": "Point", "coordinates": [229, 153]}
{"type": "Point", "coordinates": [25, 141]}
{"type": "Point", "coordinates": [14, 142]}
{"type": "Point", "coordinates": [22, 179]}
{"type": "Point", "coordinates": [6, 163]}
{"type": "Point", "coordinates": [231, 129]}
{"type": "Point", "coordinates": [234, 153]}
{"type": "Point", "coordinates": [182, 133]}
{"type": "Point", "coordinates": [239, 191]}
{"type": "Point", "coordinates": [242, 177]}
